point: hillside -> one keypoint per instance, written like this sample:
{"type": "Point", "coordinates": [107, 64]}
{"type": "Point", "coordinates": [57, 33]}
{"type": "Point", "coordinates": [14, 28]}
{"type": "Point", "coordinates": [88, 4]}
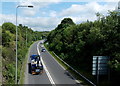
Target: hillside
{"type": "Point", "coordinates": [8, 48]}
{"type": "Point", "coordinates": [0, 66]}
{"type": "Point", "coordinates": [77, 44]}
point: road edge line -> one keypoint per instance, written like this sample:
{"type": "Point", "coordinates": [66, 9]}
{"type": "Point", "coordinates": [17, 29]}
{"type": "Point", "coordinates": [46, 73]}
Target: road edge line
{"type": "Point", "coordinates": [77, 81]}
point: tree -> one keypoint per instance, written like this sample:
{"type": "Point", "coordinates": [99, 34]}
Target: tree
{"type": "Point", "coordinates": [66, 22]}
{"type": "Point", "coordinates": [9, 26]}
{"type": "Point", "coordinates": [79, 43]}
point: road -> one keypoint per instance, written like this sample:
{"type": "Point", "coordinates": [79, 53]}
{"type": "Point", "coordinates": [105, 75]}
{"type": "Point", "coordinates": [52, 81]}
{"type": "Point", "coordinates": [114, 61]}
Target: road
{"type": "Point", "coordinates": [53, 73]}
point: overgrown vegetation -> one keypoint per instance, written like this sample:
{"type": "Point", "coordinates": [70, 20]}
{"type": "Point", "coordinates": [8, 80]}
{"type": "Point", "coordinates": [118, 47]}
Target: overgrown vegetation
{"type": "Point", "coordinates": [77, 44]}
{"type": "Point", "coordinates": [26, 36]}
{"type": "Point", "coordinates": [0, 56]}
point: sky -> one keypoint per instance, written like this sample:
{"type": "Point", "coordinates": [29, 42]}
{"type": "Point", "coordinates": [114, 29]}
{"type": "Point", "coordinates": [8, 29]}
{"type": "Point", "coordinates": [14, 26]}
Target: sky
{"type": "Point", "coordinates": [45, 16]}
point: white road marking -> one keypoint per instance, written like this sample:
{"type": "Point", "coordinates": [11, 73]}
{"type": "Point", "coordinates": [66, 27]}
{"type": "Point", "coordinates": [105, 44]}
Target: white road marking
{"type": "Point", "coordinates": [62, 67]}
{"type": "Point", "coordinates": [46, 70]}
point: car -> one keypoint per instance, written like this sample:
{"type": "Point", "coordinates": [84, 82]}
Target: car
{"type": "Point", "coordinates": [42, 46]}
{"type": "Point", "coordinates": [43, 50]}
{"type": "Point", "coordinates": [41, 43]}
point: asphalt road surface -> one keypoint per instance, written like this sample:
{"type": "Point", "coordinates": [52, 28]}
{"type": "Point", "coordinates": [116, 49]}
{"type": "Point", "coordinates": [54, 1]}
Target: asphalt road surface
{"type": "Point", "coordinates": [53, 73]}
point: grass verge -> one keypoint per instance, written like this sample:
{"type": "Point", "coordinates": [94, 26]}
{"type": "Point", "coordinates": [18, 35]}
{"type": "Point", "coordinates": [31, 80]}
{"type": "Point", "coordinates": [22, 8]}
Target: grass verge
{"type": "Point", "coordinates": [22, 77]}
{"type": "Point", "coordinates": [23, 70]}
{"type": "Point", "coordinates": [74, 74]}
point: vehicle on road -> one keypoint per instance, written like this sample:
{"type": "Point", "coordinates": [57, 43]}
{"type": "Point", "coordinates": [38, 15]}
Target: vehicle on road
{"type": "Point", "coordinates": [43, 50]}
{"type": "Point", "coordinates": [40, 42]}
{"type": "Point", "coordinates": [42, 46]}
{"type": "Point", "coordinates": [36, 64]}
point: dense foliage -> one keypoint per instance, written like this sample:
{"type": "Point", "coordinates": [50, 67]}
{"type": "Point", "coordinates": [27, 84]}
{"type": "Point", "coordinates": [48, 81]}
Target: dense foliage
{"type": "Point", "coordinates": [8, 48]}
{"type": "Point", "coordinates": [0, 55]}
{"type": "Point", "coordinates": [77, 44]}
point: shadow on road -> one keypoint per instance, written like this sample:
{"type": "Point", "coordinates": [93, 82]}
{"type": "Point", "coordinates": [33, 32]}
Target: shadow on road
{"type": "Point", "coordinates": [69, 75]}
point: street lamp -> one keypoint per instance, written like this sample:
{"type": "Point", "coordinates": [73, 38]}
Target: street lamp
{"type": "Point", "coordinates": [17, 36]}
{"type": "Point", "coordinates": [26, 36]}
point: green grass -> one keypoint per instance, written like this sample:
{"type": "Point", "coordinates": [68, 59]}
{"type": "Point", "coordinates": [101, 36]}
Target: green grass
{"type": "Point", "coordinates": [74, 74]}
{"type": "Point", "coordinates": [22, 77]}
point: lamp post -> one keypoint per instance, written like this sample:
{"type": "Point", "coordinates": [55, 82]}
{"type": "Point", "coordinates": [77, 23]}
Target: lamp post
{"type": "Point", "coordinates": [17, 38]}
{"type": "Point", "coordinates": [26, 37]}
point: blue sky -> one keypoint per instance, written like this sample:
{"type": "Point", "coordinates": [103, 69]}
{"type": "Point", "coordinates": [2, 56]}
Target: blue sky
{"type": "Point", "coordinates": [10, 7]}
{"type": "Point", "coordinates": [47, 15]}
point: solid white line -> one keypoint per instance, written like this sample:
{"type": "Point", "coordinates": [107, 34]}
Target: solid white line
{"type": "Point", "coordinates": [46, 70]}
{"type": "Point", "coordinates": [62, 66]}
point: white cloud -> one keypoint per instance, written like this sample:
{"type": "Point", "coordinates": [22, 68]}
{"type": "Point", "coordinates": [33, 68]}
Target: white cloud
{"type": "Point", "coordinates": [72, 0]}
{"type": "Point", "coordinates": [8, 18]}
{"type": "Point", "coordinates": [79, 13]}
{"type": "Point", "coordinates": [42, 22]}
{"type": "Point", "coordinates": [38, 23]}
{"type": "Point", "coordinates": [31, 0]}
{"type": "Point", "coordinates": [109, 0]}
{"type": "Point", "coordinates": [28, 12]}
{"type": "Point", "coordinates": [90, 8]}
{"type": "Point", "coordinates": [53, 14]}
{"type": "Point", "coordinates": [60, 0]}
{"type": "Point", "coordinates": [87, 11]}
{"type": "Point", "coordinates": [31, 11]}
{"type": "Point", "coordinates": [37, 6]}
{"type": "Point", "coordinates": [42, 0]}
{"type": "Point", "coordinates": [90, 0]}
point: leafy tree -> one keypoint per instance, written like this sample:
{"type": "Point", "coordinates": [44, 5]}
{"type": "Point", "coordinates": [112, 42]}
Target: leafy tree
{"type": "Point", "coordinates": [77, 44]}
{"type": "Point", "coordinates": [8, 48]}
{"type": "Point", "coordinates": [9, 26]}
{"type": "Point", "coordinates": [65, 23]}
